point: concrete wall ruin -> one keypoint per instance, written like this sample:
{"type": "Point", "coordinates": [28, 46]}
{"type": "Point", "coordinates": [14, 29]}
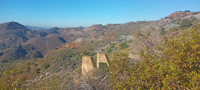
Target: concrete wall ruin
{"type": "Point", "coordinates": [102, 58]}
{"type": "Point", "coordinates": [87, 64]}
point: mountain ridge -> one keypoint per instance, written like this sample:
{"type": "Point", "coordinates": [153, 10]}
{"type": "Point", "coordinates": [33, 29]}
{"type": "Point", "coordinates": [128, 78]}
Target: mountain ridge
{"type": "Point", "coordinates": [53, 58]}
{"type": "Point", "coordinates": [178, 14]}
{"type": "Point", "coordinates": [14, 34]}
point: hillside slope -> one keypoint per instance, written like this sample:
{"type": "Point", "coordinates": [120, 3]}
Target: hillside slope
{"type": "Point", "coordinates": [60, 66]}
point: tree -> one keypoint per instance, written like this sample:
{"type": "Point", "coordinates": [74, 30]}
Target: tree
{"type": "Point", "coordinates": [187, 10]}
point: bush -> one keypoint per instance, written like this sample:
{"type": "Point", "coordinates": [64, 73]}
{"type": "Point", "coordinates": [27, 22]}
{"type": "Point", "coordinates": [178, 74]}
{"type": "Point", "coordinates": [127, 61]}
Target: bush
{"type": "Point", "coordinates": [46, 66]}
{"type": "Point", "coordinates": [91, 49]}
{"type": "Point", "coordinates": [178, 67]}
{"type": "Point", "coordinates": [37, 71]}
{"type": "Point", "coordinates": [119, 70]}
{"type": "Point", "coordinates": [185, 23]}
{"type": "Point", "coordinates": [102, 49]}
{"type": "Point", "coordinates": [123, 45]}
{"type": "Point", "coordinates": [85, 52]}
{"type": "Point", "coordinates": [109, 50]}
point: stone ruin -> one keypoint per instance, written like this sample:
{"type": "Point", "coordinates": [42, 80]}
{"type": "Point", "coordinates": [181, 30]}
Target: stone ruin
{"type": "Point", "coordinates": [102, 58]}
{"type": "Point", "coordinates": [87, 63]}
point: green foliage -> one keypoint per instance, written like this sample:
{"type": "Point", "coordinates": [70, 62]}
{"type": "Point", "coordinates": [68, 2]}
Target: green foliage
{"type": "Point", "coordinates": [112, 46]}
{"type": "Point", "coordinates": [177, 67]}
{"type": "Point", "coordinates": [103, 66]}
{"type": "Point", "coordinates": [88, 53]}
{"type": "Point", "coordinates": [37, 71]}
{"type": "Point", "coordinates": [119, 70]}
{"type": "Point", "coordinates": [123, 45]}
{"type": "Point", "coordinates": [109, 50]}
{"type": "Point", "coordinates": [46, 65]}
{"type": "Point", "coordinates": [91, 49]}
{"type": "Point", "coordinates": [102, 49]}
{"type": "Point", "coordinates": [185, 23]}
{"type": "Point", "coordinates": [85, 52]}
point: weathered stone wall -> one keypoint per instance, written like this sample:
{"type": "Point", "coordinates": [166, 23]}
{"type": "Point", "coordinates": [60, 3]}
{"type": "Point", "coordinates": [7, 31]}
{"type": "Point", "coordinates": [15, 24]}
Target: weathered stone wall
{"type": "Point", "coordinates": [87, 65]}
{"type": "Point", "coordinates": [102, 58]}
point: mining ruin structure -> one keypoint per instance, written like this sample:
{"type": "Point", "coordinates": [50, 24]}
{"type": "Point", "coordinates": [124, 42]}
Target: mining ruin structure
{"type": "Point", "coordinates": [87, 63]}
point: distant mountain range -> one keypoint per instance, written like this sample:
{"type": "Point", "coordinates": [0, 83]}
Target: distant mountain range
{"type": "Point", "coordinates": [35, 42]}
{"type": "Point", "coordinates": [34, 59]}
{"type": "Point", "coordinates": [35, 28]}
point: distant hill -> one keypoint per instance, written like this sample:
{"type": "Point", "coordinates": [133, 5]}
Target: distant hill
{"type": "Point", "coordinates": [12, 37]}
{"type": "Point", "coordinates": [13, 33]}
{"type": "Point", "coordinates": [35, 28]}
{"type": "Point", "coordinates": [181, 14]}
{"type": "Point", "coordinates": [53, 30]}
{"type": "Point", "coordinates": [95, 27]}
{"type": "Point", "coordinates": [19, 42]}
{"type": "Point", "coordinates": [44, 44]}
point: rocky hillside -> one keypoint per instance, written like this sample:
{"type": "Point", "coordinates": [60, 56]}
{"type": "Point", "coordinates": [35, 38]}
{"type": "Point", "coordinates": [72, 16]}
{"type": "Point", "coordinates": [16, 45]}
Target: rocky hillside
{"type": "Point", "coordinates": [34, 58]}
{"type": "Point", "coordinates": [13, 34]}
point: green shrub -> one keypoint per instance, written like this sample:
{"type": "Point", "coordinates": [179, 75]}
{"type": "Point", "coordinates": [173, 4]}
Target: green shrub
{"type": "Point", "coordinates": [91, 49]}
{"type": "Point", "coordinates": [46, 66]}
{"type": "Point", "coordinates": [85, 52]}
{"type": "Point", "coordinates": [109, 50]}
{"type": "Point", "coordinates": [37, 71]}
{"type": "Point", "coordinates": [123, 45]}
{"type": "Point", "coordinates": [185, 23]}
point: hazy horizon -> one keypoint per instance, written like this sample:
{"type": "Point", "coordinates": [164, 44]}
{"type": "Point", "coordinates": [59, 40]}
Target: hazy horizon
{"type": "Point", "coordinates": [74, 13]}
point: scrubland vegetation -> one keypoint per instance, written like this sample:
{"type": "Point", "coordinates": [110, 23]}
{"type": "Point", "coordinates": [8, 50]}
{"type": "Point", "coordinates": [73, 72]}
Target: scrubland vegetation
{"type": "Point", "coordinates": [176, 66]}
{"type": "Point", "coordinates": [157, 55]}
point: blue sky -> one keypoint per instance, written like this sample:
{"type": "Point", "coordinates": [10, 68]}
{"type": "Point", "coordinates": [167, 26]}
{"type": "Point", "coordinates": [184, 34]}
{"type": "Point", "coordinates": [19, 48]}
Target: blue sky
{"type": "Point", "coordinates": [73, 13]}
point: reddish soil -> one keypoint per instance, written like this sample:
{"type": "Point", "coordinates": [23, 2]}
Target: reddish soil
{"type": "Point", "coordinates": [104, 37]}
{"type": "Point", "coordinates": [181, 14]}
{"type": "Point", "coordinates": [73, 45]}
